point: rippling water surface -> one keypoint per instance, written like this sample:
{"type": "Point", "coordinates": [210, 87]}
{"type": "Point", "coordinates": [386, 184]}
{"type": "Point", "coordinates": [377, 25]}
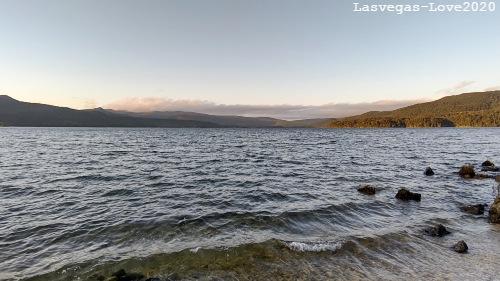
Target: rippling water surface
{"type": "Point", "coordinates": [242, 204]}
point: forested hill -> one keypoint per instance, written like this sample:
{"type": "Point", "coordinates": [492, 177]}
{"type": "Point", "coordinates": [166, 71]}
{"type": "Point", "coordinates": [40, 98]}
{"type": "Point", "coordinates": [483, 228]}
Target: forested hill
{"type": "Point", "coordinates": [480, 109]}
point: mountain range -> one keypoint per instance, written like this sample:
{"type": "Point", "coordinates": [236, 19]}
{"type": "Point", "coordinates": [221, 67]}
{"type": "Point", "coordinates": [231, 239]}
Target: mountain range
{"type": "Point", "coordinates": [480, 109]}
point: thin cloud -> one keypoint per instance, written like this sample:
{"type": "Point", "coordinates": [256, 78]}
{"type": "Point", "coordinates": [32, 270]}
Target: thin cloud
{"type": "Point", "coordinates": [458, 88]}
{"type": "Point", "coordinates": [284, 111]}
{"type": "Point", "coordinates": [494, 88]}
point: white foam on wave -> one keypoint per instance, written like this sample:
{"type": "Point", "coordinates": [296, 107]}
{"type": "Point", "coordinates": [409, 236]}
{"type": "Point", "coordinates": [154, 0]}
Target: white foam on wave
{"type": "Point", "coordinates": [195, 250]}
{"type": "Point", "coordinates": [314, 246]}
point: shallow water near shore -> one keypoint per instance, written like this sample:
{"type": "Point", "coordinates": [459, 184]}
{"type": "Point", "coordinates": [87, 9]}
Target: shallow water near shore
{"type": "Point", "coordinates": [243, 204]}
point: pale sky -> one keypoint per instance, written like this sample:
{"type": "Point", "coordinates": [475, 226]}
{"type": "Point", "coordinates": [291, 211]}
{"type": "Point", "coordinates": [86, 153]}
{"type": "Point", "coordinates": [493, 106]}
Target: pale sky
{"type": "Point", "coordinates": [90, 53]}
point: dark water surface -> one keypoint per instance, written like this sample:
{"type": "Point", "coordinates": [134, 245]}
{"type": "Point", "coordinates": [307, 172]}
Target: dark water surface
{"type": "Point", "coordinates": [243, 204]}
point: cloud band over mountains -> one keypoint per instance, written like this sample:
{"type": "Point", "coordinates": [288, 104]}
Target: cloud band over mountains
{"type": "Point", "coordinates": [288, 112]}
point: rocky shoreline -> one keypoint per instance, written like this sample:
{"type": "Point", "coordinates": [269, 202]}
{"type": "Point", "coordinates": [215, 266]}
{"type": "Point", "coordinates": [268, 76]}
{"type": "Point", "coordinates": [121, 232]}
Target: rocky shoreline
{"type": "Point", "coordinates": [467, 172]}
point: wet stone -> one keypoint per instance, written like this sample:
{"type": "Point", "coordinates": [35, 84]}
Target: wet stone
{"type": "Point", "coordinates": [461, 247]}
{"type": "Point", "coordinates": [490, 169]}
{"type": "Point", "coordinates": [406, 195]}
{"type": "Point", "coordinates": [474, 209]}
{"type": "Point", "coordinates": [438, 231]}
{"type": "Point", "coordinates": [367, 189]}
{"type": "Point", "coordinates": [494, 213]}
{"type": "Point", "coordinates": [467, 171]}
{"type": "Point", "coordinates": [429, 172]}
{"type": "Point", "coordinates": [122, 275]}
{"type": "Point", "coordinates": [487, 163]}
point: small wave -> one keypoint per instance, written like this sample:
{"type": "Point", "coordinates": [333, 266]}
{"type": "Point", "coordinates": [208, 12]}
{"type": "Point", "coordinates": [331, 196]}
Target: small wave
{"type": "Point", "coordinates": [251, 261]}
{"type": "Point", "coordinates": [340, 215]}
{"type": "Point", "coordinates": [85, 178]}
{"type": "Point", "coordinates": [115, 152]}
{"type": "Point", "coordinates": [314, 246]}
{"type": "Point", "coordinates": [195, 250]}
{"type": "Point", "coordinates": [161, 184]}
{"type": "Point", "coordinates": [154, 177]}
{"type": "Point", "coordinates": [118, 192]}
{"type": "Point", "coordinates": [295, 162]}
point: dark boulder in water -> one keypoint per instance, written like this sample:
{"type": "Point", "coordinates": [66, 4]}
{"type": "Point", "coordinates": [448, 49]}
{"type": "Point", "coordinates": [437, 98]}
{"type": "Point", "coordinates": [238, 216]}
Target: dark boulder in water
{"type": "Point", "coordinates": [490, 169]}
{"type": "Point", "coordinates": [467, 171]}
{"type": "Point", "coordinates": [494, 214]}
{"type": "Point", "coordinates": [122, 275]}
{"type": "Point", "coordinates": [474, 209]}
{"type": "Point", "coordinates": [406, 195]}
{"type": "Point", "coordinates": [428, 171]}
{"type": "Point", "coordinates": [487, 163]}
{"type": "Point", "coordinates": [438, 230]}
{"type": "Point", "coordinates": [367, 189]}
{"type": "Point", "coordinates": [488, 166]}
{"type": "Point", "coordinates": [461, 247]}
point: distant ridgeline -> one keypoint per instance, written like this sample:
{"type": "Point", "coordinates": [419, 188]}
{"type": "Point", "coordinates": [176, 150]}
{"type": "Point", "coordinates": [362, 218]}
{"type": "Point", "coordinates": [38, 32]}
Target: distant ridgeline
{"type": "Point", "coordinates": [465, 110]}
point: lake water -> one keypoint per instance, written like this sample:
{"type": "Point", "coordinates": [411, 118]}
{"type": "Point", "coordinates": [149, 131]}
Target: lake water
{"type": "Point", "coordinates": [243, 204]}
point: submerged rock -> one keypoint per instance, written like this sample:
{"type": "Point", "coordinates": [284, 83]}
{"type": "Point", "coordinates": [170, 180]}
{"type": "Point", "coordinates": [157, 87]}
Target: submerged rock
{"type": "Point", "coordinates": [474, 209]}
{"type": "Point", "coordinates": [487, 163]}
{"type": "Point", "coordinates": [494, 214]}
{"type": "Point", "coordinates": [461, 247]}
{"type": "Point", "coordinates": [490, 169]}
{"type": "Point", "coordinates": [428, 171]}
{"type": "Point", "coordinates": [406, 195]}
{"type": "Point", "coordinates": [438, 230]}
{"type": "Point", "coordinates": [467, 171]}
{"type": "Point", "coordinates": [122, 275]}
{"type": "Point", "coordinates": [484, 176]}
{"type": "Point", "coordinates": [98, 277]}
{"type": "Point", "coordinates": [367, 189]}
{"type": "Point", "coordinates": [488, 166]}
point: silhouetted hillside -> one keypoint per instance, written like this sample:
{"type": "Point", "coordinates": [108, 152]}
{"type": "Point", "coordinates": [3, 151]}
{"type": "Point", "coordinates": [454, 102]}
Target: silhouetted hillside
{"type": "Point", "coordinates": [222, 120]}
{"type": "Point", "coordinates": [17, 113]}
{"type": "Point", "coordinates": [466, 110]}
